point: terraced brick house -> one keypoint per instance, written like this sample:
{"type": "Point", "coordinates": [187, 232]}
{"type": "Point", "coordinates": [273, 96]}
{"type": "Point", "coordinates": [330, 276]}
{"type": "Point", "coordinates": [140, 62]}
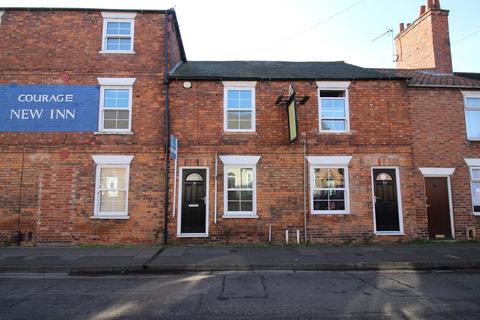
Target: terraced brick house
{"type": "Point", "coordinates": [268, 151]}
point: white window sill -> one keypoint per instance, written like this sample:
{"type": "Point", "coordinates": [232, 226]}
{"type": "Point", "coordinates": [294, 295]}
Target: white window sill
{"type": "Point", "coordinates": [192, 235]}
{"type": "Point", "coordinates": [335, 132]}
{"type": "Point", "coordinates": [476, 214]}
{"type": "Point", "coordinates": [239, 216]}
{"type": "Point", "coordinates": [113, 132]}
{"type": "Point", "coordinates": [110, 217]}
{"type": "Point", "coordinates": [389, 233]}
{"type": "Point", "coordinates": [320, 213]}
{"type": "Point", "coordinates": [238, 131]}
{"type": "Point", "coordinates": [117, 52]}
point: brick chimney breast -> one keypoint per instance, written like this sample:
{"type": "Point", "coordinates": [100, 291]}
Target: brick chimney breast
{"type": "Point", "coordinates": [425, 43]}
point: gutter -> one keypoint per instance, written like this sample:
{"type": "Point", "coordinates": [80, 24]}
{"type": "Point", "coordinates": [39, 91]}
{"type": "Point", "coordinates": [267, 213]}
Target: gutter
{"type": "Point", "coordinates": [80, 9]}
{"type": "Point", "coordinates": [213, 78]}
{"type": "Point", "coordinates": [443, 86]}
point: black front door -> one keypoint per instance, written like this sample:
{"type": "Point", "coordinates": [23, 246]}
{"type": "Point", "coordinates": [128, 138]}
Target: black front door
{"type": "Point", "coordinates": [386, 200]}
{"type": "Point", "coordinates": [193, 201]}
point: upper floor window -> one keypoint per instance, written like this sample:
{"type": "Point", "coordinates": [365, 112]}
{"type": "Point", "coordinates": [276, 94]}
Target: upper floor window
{"type": "Point", "coordinates": [115, 104]}
{"type": "Point", "coordinates": [118, 31]}
{"type": "Point", "coordinates": [333, 106]}
{"type": "Point", "coordinates": [472, 114]}
{"type": "Point", "coordinates": [239, 106]}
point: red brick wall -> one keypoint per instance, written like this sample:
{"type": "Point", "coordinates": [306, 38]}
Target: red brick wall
{"type": "Point", "coordinates": [380, 136]}
{"type": "Point", "coordinates": [438, 125]}
{"type": "Point", "coordinates": [426, 43]}
{"type": "Point", "coordinates": [41, 47]}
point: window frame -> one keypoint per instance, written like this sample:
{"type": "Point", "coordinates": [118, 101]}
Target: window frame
{"type": "Point", "coordinates": [118, 17]}
{"type": "Point", "coordinates": [472, 181]}
{"type": "Point", "coordinates": [237, 214]}
{"type": "Point", "coordinates": [467, 95]}
{"type": "Point", "coordinates": [101, 162]}
{"type": "Point", "coordinates": [239, 85]}
{"type": "Point", "coordinates": [239, 161]}
{"type": "Point", "coordinates": [334, 86]}
{"type": "Point", "coordinates": [115, 83]}
{"type": "Point", "coordinates": [346, 189]}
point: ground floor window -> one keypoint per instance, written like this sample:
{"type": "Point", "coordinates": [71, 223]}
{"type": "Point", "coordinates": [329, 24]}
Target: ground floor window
{"type": "Point", "coordinates": [475, 174]}
{"type": "Point", "coordinates": [240, 186]}
{"type": "Point", "coordinates": [329, 192]}
{"type": "Point", "coordinates": [111, 186]}
{"type": "Point", "coordinates": [240, 189]}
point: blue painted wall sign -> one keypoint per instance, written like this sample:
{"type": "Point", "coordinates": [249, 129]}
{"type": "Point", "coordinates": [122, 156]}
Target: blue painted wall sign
{"type": "Point", "coordinates": [49, 108]}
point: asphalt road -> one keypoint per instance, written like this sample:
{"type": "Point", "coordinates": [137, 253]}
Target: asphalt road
{"type": "Point", "coordinates": [243, 295]}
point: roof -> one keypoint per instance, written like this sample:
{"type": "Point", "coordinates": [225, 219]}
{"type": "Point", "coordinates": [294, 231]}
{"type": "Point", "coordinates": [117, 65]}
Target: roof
{"type": "Point", "coordinates": [432, 79]}
{"type": "Point", "coordinates": [275, 70]}
{"type": "Point", "coordinates": [79, 9]}
{"type": "Point", "coordinates": [470, 75]}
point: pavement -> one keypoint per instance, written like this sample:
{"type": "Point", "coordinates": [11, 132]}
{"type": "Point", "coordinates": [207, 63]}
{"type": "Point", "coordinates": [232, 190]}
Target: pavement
{"type": "Point", "coordinates": [94, 260]}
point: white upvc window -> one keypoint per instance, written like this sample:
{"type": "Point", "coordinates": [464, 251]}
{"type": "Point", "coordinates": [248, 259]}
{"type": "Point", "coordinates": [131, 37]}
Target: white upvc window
{"type": "Point", "coordinates": [474, 165]}
{"type": "Point", "coordinates": [475, 176]}
{"type": "Point", "coordinates": [240, 184]}
{"type": "Point", "coordinates": [115, 105]}
{"type": "Point", "coordinates": [472, 114]}
{"type": "Point", "coordinates": [111, 186]}
{"type": "Point", "coordinates": [118, 32]}
{"type": "Point", "coordinates": [333, 108]}
{"type": "Point", "coordinates": [329, 189]}
{"type": "Point", "coordinates": [239, 106]}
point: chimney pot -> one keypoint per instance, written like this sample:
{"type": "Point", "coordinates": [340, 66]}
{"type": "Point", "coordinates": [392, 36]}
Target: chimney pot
{"type": "Point", "coordinates": [422, 10]}
{"type": "Point", "coordinates": [436, 4]}
{"type": "Point", "coordinates": [408, 25]}
{"type": "Point", "coordinates": [429, 4]}
{"type": "Point", "coordinates": [402, 26]}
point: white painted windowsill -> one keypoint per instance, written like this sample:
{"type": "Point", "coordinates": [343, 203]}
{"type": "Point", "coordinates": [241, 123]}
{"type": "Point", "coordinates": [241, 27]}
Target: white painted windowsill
{"type": "Point", "coordinates": [110, 217]}
{"type": "Point", "coordinates": [116, 52]}
{"type": "Point", "coordinates": [326, 213]}
{"type": "Point", "coordinates": [113, 132]}
{"type": "Point", "coordinates": [389, 233]}
{"type": "Point", "coordinates": [192, 235]}
{"type": "Point", "coordinates": [240, 216]}
{"type": "Point", "coordinates": [335, 132]}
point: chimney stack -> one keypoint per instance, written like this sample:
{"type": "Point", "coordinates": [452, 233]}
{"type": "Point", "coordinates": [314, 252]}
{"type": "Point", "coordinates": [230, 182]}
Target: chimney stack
{"type": "Point", "coordinates": [425, 43]}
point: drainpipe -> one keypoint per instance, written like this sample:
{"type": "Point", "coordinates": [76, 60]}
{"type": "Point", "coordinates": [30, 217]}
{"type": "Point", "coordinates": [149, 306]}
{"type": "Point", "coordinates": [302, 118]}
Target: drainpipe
{"type": "Point", "coordinates": [17, 235]}
{"type": "Point", "coordinates": [305, 176]}
{"type": "Point", "coordinates": [167, 128]}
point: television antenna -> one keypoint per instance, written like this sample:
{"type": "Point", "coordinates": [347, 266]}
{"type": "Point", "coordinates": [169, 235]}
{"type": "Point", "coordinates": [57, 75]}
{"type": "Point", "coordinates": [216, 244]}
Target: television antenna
{"type": "Point", "coordinates": [389, 31]}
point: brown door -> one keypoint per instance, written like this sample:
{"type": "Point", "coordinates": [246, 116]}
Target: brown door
{"type": "Point", "coordinates": [438, 208]}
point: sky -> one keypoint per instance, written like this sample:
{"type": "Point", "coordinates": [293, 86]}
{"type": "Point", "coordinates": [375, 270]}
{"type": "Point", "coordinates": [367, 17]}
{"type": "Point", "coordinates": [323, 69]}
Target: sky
{"type": "Point", "coordinates": [299, 30]}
